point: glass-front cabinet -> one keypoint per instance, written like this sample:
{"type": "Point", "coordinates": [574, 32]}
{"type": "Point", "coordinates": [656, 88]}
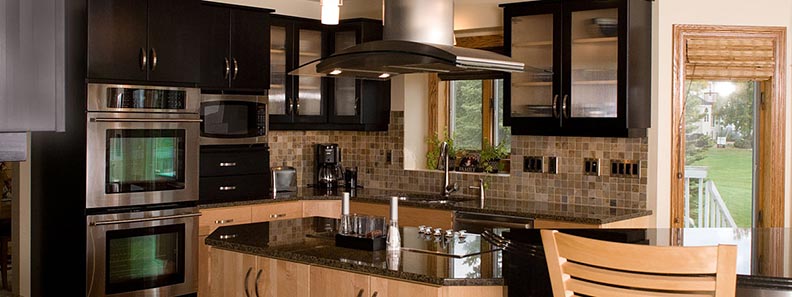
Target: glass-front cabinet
{"type": "Point", "coordinates": [295, 99]}
{"type": "Point", "coordinates": [595, 67]}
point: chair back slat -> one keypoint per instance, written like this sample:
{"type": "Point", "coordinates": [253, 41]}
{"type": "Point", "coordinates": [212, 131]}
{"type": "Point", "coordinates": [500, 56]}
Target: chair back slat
{"type": "Point", "coordinates": [637, 280]}
{"type": "Point", "coordinates": [593, 289]}
{"type": "Point", "coordinates": [591, 267]}
{"type": "Point", "coordinates": [677, 260]}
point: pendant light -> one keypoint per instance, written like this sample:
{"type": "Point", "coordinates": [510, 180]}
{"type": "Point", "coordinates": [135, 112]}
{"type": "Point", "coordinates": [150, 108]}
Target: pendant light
{"type": "Point", "coordinates": [330, 11]}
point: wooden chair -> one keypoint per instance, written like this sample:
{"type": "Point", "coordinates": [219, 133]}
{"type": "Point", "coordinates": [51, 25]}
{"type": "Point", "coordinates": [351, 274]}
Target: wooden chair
{"type": "Point", "coordinates": [582, 266]}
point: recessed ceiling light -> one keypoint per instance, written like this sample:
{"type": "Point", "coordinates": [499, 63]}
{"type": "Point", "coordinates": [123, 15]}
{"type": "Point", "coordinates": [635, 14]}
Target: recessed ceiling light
{"type": "Point", "coordinates": [336, 72]}
{"type": "Point", "coordinates": [384, 75]}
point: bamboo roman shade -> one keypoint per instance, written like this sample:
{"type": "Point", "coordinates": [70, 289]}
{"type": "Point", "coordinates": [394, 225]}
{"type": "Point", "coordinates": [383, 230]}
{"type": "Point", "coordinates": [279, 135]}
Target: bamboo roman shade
{"type": "Point", "coordinates": [730, 58]}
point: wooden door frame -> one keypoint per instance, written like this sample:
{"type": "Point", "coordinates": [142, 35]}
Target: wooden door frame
{"type": "Point", "coordinates": [773, 141]}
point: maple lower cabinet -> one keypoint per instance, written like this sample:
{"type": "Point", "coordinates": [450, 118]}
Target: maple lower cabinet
{"type": "Point", "coordinates": [322, 208]}
{"type": "Point", "coordinates": [384, 287]}
{"type": "Point", "coordinates": [408, 216]}
{"type": "Point", "coordinates": [276, 278]}
{"type": "Point", "coordinates": [326, 282]}
{"type": "Point", "coordinates": [232, 274]}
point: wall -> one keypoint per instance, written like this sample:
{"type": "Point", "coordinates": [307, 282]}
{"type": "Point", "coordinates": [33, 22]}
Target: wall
{"type": "Point", "coordinates": [711, 12]}
{"type": "Point", "coordinates": [369, 152]}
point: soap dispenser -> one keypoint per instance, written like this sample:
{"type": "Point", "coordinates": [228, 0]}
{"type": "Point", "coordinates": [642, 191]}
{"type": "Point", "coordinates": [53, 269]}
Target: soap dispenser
{"type": "Point", "coordinates": [394, 238]}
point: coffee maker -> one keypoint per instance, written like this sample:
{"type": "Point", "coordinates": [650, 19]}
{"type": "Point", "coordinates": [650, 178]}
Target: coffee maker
{"type": "Point", "coordinates": [328, 165]}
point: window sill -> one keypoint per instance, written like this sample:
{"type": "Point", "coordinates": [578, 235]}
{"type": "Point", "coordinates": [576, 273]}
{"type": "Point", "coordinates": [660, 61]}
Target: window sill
{"type": "Point", "coordinates": [462, 172]}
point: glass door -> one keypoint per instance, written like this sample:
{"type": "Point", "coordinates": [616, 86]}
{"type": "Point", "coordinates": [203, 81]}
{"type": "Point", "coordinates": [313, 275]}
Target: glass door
{"type": "Point", "coordinates": [144, 258]}
{"type": "Point", "coordinates": [594, 63]}
{"type": "Point", "coordinates": [280, 107]}
{"type": "Point", "coordinates": [534, 95]}
{"type": "Point", "coordinates": [143, 160]}
{"type": "Point", "coordinates": [309, 105]}
{"type": "Point", "coordinates": [346, 101]}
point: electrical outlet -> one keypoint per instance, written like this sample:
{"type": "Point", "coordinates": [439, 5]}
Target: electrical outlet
{"type": "Point", "coordinates": [625, 168]}
{"type": "Point", "coordinates": [591, 166]}
{"type": "Point", "coordinates": [532, 164]}
{"type": "Point", "coordinates": [552, 165]}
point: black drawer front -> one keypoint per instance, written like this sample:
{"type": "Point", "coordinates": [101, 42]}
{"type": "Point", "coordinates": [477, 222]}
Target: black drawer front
{"type": "Point", "coordinates": [234, 160]}
{"type": "Point", "coordinates": [234, 188]}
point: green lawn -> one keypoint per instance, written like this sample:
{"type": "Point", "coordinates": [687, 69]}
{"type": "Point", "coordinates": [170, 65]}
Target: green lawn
{"type": "Point", "coordinates": [731, 171]}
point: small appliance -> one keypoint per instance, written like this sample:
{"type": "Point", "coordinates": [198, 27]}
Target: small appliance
{"type": "Point", "coordinates": [233, 119]}
{"type": "Point", "coordinates": [328, 165]}
{"type": "Point", "coordinates": [284, 179]}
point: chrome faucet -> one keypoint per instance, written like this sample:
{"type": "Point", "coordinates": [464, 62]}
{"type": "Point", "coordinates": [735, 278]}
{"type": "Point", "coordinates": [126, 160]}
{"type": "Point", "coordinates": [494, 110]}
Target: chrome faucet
{"type": "Point", "coordinates": [480, 187]}
{"type": "Point", "coordinates": [447, 188]}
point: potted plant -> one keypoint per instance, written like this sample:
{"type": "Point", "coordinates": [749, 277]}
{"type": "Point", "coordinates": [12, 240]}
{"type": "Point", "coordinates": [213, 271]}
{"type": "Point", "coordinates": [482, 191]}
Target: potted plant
{"type": "Point", "coordinates": [491, 157]}
{"type": "Point", "coordinates": [433, 143]}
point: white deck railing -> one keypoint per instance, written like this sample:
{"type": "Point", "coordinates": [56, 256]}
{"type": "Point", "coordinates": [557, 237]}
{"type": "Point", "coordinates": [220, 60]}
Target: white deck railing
{"type": "Point", "coordinates": [711, 211]}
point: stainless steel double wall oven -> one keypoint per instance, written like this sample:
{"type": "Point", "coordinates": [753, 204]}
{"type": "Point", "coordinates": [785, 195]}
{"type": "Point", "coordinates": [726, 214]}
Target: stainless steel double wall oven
{"type": "Point", "coordinates": [142, 188]}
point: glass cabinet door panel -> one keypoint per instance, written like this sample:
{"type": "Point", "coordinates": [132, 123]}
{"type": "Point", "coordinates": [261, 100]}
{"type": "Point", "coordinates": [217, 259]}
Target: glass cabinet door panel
{"type": "Point", "coordinates": [309, 95]}
{"type": "Point", "coordinates": [344, 88]}
{"type": "Point", "coordinates": [532, 43]}
{"type": "Point", "coordinates": [594, 66]}
{"type": "Point", "coordinates": [277, 92]}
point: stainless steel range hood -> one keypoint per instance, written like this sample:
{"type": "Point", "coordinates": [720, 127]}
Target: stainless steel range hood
{"type": "Point", "coordinates": [418, 38]}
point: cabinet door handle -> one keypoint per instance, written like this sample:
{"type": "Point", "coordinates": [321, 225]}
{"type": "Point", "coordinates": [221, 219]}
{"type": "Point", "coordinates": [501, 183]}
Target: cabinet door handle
{"type": "Point", "coordinates": [564, 112]}
{"type": "Point", "coordinates": [360, 293]}
{"type": "Point", "coordinates": [290, 106]}
{"type": "Point", "coordinates": [555, 106]}
{"type": "Point", "coordinates": [236, 69]}
{"type": "Point", "coordinates": [247, 276]}
{"type": "Point", "coordinates": [227, 68]}
{"type": "Point", "coordinates": [228, 164]}
{"type": "Point", "coordinates": [375, 294]}
{"type": "Point", "coordinates": [277, 215]}
{"type": "Point", "coordinates": [220, 222]}
{"type": "Point", "coordinates": [143, 59]}
{"type": "Point", "coordinates": [153, 59]}
{"type": "Point", "coordinates": [297, 102]}
{"type": "Point", "coordinates": [227, 188]}
{"type": "Point", "coordinates": [258, 276]}
{"type": "Point", "coordinates": [357, 103]}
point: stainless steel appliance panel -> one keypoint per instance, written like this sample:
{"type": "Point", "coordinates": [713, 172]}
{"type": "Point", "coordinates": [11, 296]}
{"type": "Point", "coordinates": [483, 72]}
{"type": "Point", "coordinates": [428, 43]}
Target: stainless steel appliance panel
{"type": "Point", "coordinates": [170, 269]}
{"type": "Point", "coordinates": [138, 98]}
{"type": "Point", "coordinates": [260, 121]}
{"type": "Point", "coordinates": [98, 189]}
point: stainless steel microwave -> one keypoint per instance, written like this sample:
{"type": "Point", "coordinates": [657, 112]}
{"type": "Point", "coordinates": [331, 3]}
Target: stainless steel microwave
{"type": "Point", "coordinates": [233, 119]}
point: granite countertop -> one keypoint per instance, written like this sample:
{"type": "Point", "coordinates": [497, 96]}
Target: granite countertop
{"type": "Point", "coordinates": [310, 241]}
{"type": "Point", "coordinates": [583, 214]}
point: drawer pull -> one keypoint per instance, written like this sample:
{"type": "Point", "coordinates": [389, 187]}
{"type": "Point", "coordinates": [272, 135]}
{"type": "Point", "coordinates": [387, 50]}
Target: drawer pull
{"type": "Point", "coordinates": [228, 236]}
{"type": "Point", "coordinates": [228, 164]}
{"type": "Point", "coordinates": [220, 222]}
{"type": "Point", "coordinates": [227, 188]}
{"type": "Point", "coordinates": [278, 215]}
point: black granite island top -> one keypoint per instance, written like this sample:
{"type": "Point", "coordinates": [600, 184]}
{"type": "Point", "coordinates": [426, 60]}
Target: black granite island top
{"type": "Point", "coordinates": [575, 213]}
{"type": "Point", "coordinates": [310, 241]}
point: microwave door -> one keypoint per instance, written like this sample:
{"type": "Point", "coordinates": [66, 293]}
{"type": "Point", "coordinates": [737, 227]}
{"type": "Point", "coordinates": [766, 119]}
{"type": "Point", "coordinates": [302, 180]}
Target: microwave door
{"type": "Point", "coordinates": [233, 119]}
{"type": "Point", "coordinates": [134, 160]}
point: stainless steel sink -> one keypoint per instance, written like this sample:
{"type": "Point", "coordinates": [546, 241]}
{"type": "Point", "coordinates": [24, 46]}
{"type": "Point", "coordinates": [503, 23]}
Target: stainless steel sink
{"type": "Point", "coordinates": [432, 198]}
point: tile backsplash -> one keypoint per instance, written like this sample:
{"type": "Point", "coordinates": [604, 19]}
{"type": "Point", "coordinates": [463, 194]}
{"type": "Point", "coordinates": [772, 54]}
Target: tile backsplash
{"type": "Point", "coordinates": [379, 158]}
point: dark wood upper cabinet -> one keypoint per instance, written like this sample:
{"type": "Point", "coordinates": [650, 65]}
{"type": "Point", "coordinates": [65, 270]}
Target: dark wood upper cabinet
{"type": "Point", "coordinates": [313, 103]}
{"type": "Point", "coordinates": [365, 103]}
{"type": "Point", "coordinates": [235, 46]}
{"type": "Point", "coordinates": [118, 39]}
{"type": "Point", "coordinates": [174, 42]}
{"type": "Point", "coordinates": [597, 57]}
{"type": "Point", "coordinates": [153, 41]}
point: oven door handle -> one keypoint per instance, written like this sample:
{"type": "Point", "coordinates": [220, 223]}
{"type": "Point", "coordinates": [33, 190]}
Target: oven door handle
{"type": "Point", "coordinates": [146, 120]}
{"type": "Point", "coordinates": [129, 221]}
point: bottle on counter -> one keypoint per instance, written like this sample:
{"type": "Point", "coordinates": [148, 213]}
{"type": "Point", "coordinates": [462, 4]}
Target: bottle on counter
{"type": "Point", "coordinates": [394, 238]}
{"type": "Point", "coordinates": [346, 220]}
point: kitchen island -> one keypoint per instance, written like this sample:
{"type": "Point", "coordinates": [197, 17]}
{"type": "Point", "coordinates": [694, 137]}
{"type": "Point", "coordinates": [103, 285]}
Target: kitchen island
{"type": "Point", "coordinates": [298, 257]}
